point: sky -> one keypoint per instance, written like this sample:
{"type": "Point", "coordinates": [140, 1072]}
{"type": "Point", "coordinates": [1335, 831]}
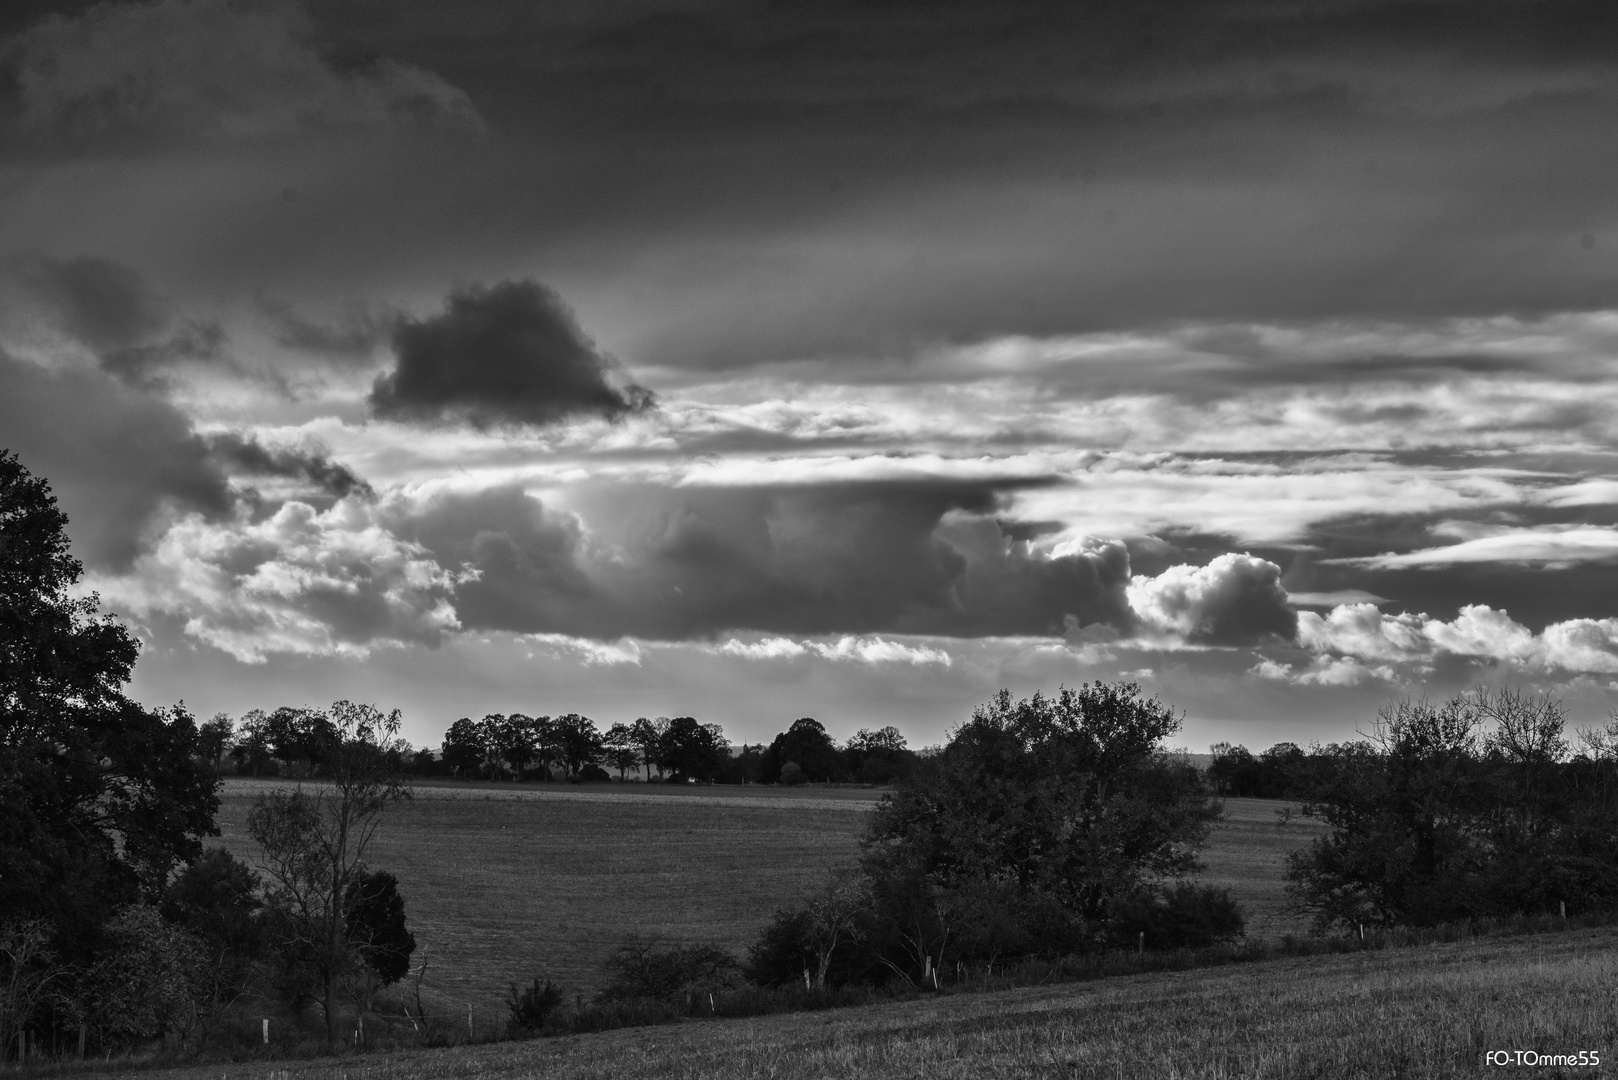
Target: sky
{"type": "Point", "coordinates": [756, 361]}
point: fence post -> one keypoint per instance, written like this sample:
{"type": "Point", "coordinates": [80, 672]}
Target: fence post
{"type": "Point", "coordinates": [266, 1031]}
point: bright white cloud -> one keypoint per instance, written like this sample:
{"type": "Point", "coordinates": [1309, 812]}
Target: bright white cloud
{"type": "Point", "coordinates": [1551, 545]}
{"type": "Point", "coordinates": [862, 649]}
{"type": "Point", "coordinates": [1477, 631]}
{"type": "Point", "coordinates": [1235, 599]}
{"type": "Point", "coordinates": [298, 581]}
{"type": "Point", "coordinates": [1325, 671]}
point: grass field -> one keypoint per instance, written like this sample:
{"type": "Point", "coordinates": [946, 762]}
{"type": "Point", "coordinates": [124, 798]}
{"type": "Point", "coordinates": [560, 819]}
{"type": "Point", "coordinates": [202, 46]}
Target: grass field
{"type": "Point", "coordinates": [506, 882]}
{"type": "Point", "coordinates": [1430, 1011]}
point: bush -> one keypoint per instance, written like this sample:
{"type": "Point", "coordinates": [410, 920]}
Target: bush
{"type": "Point", "coordinates": [1183, 917]}
{"type": "Point", "coordinates": [592, 771]}
{"type": "Point", "coordinates": [532, 1005]}
{"type": "Point", "coordinates": [643, 967]}
{"type": "Point", "coordinates": [783, 952]}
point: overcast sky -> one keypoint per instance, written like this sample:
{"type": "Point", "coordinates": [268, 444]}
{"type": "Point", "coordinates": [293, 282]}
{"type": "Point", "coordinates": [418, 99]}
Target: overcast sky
{"type": "Point", "coordinates": [755, 361]}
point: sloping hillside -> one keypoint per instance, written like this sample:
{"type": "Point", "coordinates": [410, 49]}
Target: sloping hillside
{"type": "Point", "coordinates": [1433, 1011]}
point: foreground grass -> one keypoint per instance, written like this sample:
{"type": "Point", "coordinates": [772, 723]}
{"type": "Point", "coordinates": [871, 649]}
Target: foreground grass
{"type": "Point", "coordinates": [1428, 1011]}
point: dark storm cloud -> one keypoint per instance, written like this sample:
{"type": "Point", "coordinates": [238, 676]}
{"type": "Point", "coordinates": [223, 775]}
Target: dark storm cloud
{"type": "Point", "coordinates": [353, 337]}
{"type": "Point", "coordinates": [312, 464]}
{"type": "Point", "coordinates": [115, 456]}
{"type": "Point", "coordinates": [858, 558]}
{"type": "Point", "coordinates": [510, 353]}
{"type": "Point", "coordinates": [113, 311]}
{"type": "Point", "coordinates": [211, 69]}
{"type": "Point", "coordinates": [985, 169]}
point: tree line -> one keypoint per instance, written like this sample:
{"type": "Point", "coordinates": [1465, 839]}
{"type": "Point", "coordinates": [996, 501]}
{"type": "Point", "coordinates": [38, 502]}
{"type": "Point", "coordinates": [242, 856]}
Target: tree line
{"type": "Point", "coordinates": [299, 742]}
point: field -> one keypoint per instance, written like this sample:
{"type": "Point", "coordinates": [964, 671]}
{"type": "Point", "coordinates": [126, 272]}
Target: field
{"type": "Point", "coordinates": [1431, 1012]}
{"type": "Point", "coordinates": [503, 883]}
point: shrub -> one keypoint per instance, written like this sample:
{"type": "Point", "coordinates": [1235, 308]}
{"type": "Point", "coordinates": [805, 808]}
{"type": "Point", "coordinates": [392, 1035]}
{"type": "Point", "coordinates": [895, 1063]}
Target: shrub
{"type": "Point", "coordinates": [592, 771]}
{"type": "Point", "coordinates": [643, 967]}
{"type": "Point", "coordinates": [1182, 917]}
{"type": "Point", "coordinates": [532, 1005]}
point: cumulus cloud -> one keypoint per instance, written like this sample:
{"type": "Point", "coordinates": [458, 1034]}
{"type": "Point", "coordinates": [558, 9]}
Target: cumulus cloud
{"type": "Point", "coordinates": [1233, 600]}
{"type": "Point", "coordinates": [1477, 632]}
{"type": "Point", "coordinates": [216, 69]}
{"type": "Point", "coordinates": [833, 559]}
{"type": "Point", "coordinates": [510, 353]}
{"type": "Point", "coordinates": [121, 460]}
{"type": "Point", "coordinates": [299, 581]}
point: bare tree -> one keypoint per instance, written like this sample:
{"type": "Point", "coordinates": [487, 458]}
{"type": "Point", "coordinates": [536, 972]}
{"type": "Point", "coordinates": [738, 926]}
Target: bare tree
{"type": "Point", "coordinates": [313, 849]}
{"type": "Point", "coordinates": [27, 968]}
{"type": "Point", "coordinates": [834, 916]}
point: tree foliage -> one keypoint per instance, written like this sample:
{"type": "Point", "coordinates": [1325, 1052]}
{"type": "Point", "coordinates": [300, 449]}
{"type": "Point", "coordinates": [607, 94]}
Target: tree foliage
{"type": "Point", "coordinates": [1071, 795]}
{"type": "Point", "coordinates": [1467, 808]}
{"type": "Point", "coordinates": [99, 797]}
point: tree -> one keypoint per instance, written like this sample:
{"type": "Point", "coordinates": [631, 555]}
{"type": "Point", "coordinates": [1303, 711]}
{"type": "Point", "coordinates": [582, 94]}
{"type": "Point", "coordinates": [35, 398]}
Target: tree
{"type": "Point", "coordinates": [250, 751]}
{"type": "Point", "coordinates": [1072, 795]}
{"type": "Point", "coordinates": [156, 979]}
{"type": "Point", "coordinates": [621, 750]}
{"type": "Point", "coordinates": [878, 757]}
{"type": "Point", "coordinates": [648, 735]}
{"type": "Point", "coordinates": [577, 741]}
{"type": "Point", "coordinates": [376, 927]}
{"type": "Point", "coordinates": [834, 916]}
{"type": "Point", "coordinates": [517, 742]}
{"type": "Point", "coordinates": [28, 967]}
{"type": "Point", "coordinates": [807, 745]}
{"type": "Point", "coordinates": [313, 851]}
{"type": "Point", "coordinates": [462, 752]}
{"type": "Point", "coordinates": [216, 899]}
{"type": "Point", "coordinates": [99, 797]}
{"type": "Point", "coordinates": [1453, 811]}
{"type": "Point", "coordinates": [692, 751]}
{"type": "Point", "coordinates": [214, 740]}
{"type": "Point", "coordinates": [300, 737]}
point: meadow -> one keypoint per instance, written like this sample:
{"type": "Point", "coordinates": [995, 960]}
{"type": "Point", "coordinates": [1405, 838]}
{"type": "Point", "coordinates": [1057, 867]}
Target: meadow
{"type": "Point", "coordinates": [1430, 1011]}
{"type": "Point", "coordinates": [506, 882]}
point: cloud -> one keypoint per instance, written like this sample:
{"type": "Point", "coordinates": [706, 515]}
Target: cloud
{"type": "Point", "coordinates": [120, 459]}
{"type": "Point", "coordinates": [832, 559]}
{"type": "Point", "coordinates": [1477, 632]}
{"type": "Point", "coordinates": [1549, 545]}
{"type": "Point", "coordinates": [868, 649]}
{"type": "Point", "coordinates": [216, 69]}
{"type": "Point", "coordinates": [112, 311]}
{"type": "Point", "coordinates": [1234, 600]}
{"type": "Point", "coordinates": [353, 336]}
{"type": "Point", "coordinates": [510, 353]}
{"type": "Point", "coordinates": [1325, 671]}
{"type": "Point", "coordinates": [309, 462]}
{"type": "Point", "coordinates": [300, 581]}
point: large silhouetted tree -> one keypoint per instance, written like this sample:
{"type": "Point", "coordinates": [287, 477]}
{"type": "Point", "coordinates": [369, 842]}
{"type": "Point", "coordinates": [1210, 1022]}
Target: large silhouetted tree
{"type": "Point", "coordinates": [99, 798]}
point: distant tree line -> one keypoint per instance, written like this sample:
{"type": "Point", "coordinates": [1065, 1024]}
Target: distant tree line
{"type": "Point", "coordinates": [298, 742]}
